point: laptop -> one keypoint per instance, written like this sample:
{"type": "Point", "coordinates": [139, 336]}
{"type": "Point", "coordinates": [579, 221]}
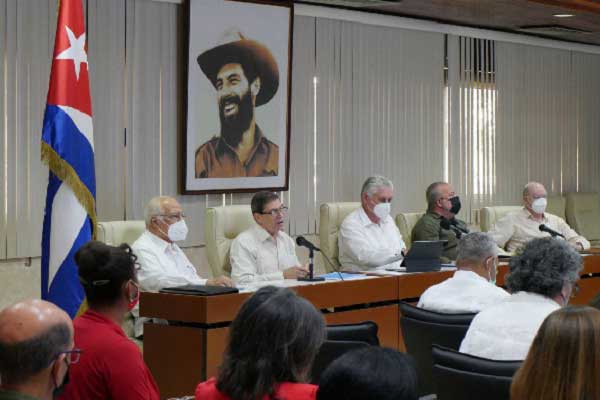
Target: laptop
{"type": "Point", "coordinates": [424, 256]}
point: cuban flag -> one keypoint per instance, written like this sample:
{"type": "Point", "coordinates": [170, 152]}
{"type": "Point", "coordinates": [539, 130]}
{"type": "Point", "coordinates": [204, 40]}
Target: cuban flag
{"type": "Point", "coordinates": [68, 150]}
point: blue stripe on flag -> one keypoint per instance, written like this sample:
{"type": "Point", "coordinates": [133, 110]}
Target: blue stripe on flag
{"type": "Point", "coordinates": [61, 133]}
{"type": "Point", "coordinates": [65, 290]}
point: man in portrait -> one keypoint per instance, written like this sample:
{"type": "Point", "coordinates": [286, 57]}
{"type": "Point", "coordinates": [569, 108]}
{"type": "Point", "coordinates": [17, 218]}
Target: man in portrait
{"type": "Point", "coordinates": [245, 75]}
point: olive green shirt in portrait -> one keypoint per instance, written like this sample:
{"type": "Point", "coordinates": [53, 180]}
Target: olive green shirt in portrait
{"type": "Point", "coordinates": [429, 228]}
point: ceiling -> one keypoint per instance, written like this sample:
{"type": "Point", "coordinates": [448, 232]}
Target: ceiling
{"type": "Point", "coordinates": [503, 15]}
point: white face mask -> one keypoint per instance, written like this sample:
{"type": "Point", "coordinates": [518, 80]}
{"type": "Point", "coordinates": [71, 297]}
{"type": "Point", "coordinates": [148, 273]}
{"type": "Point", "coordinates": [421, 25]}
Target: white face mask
{"type": "Point", "coordinates": [539, 205]}
{"type": "Point", "coordinates": [177, 231]}
{"type": "Point", "coordinates": [382, 210]}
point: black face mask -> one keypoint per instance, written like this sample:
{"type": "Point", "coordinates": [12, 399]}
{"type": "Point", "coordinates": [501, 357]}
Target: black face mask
{"type": "Point", "coordinates": [455, 201]}
{"type": "Point", "coordinates": [59, 389]}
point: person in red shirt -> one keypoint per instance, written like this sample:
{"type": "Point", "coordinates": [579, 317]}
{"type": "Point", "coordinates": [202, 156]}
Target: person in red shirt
{"type": "Point", "coordinates": [273, 341]}
{"type": "Point", "coordinates": [111, 365]}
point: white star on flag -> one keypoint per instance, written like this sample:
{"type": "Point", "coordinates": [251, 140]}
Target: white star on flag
{"type": "Point", "coordinates": [76, 52]}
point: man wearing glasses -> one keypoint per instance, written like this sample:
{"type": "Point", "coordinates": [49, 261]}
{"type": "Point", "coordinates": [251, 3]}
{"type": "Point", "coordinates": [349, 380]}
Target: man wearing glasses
{"type": "Point", "coordinates": [36, 349]}
{"type": "Point", "coordinates": [162, 262]}
{"type": "Point", "coordinates": [265, 252]}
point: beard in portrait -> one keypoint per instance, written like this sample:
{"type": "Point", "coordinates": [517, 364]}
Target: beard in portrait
{"type": "Point", "coordinates": [245, 75]}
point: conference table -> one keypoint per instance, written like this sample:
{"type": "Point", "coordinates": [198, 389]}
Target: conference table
{"type": "Point", "coordinates": [189, 349]}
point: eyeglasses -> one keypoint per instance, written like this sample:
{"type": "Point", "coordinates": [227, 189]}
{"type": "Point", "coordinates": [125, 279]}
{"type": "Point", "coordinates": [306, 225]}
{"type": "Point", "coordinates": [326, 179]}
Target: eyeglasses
{"type": "Point", "coordinates": [72, 356]}
{"type": "Point", "coordinates": [281, 210]}
{"type": "Point", "coordinates": [177, 216]}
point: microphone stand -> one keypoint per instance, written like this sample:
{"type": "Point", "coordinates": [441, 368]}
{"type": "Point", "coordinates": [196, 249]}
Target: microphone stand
{"type": "Point", "coordinates": [311, 268]}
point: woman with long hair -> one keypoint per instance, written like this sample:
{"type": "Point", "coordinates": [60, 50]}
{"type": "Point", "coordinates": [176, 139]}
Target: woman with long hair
{"type": "Point", "coordinates": [564, 359]}
{"type": "Point", "coordinates": [272, 344]}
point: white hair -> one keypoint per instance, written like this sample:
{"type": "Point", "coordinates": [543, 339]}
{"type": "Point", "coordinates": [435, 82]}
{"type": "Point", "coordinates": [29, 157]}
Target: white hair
{"type": "Point", "coordinates": [476, 246]}
{"type": "Point", "coordinates": [154, 208]}
{"type": "Point", "coordinates": [373, 183]}
{"type": "Point", "coordinates": [531, 185]}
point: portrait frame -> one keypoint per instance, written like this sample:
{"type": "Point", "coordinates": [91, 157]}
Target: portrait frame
{"type": "Point", "coordinates": [205, 154]}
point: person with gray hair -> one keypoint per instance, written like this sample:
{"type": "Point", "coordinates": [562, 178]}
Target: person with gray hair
{"type": "Point", "coordinates": [518, 227]}
{"type": "Point", "coordinates": [162, 262]}
{"type": "Point", "coordinates": [440, 222]}
{"type": "Point", "coordinates": [368, 237]}
{"type": "Point", "coordinates": [473, 286]}
{"type": "Point", "coordinates": [541, 280]}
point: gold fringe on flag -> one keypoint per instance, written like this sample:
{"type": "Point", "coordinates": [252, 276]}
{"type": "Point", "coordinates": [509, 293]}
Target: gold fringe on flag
{"type": "Point", "coordinates": [66, 173]}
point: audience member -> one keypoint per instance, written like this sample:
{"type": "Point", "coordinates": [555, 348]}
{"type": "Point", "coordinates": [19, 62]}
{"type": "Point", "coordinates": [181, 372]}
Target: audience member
{"type": "Point", "coordinates": [473, 285]}
{"type": "Point", "coordinates": [112, 366]}
{"type": "Point", "coordinates": [370, 373]}
{"type": "Point", "coordinates": [36, 351]}
{"type": "Point", "coordinates": [272, 344]}
{"type": "Point", "coordinates": [368, 236]}
{"type": "Point", "coordinates": [564, 358]}
{"type": "Point", "coordinates": [264, 252]}
{"type": "Point", "coordinates": [541, 280]}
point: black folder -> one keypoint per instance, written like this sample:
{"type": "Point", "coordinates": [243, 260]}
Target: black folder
{"type": "Point", "coordinates": [200, 290]}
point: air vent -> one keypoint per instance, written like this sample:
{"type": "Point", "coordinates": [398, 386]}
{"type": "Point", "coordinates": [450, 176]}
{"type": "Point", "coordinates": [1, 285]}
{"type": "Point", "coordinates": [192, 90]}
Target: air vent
{"type": "Point", "coordinates": [551, 29]}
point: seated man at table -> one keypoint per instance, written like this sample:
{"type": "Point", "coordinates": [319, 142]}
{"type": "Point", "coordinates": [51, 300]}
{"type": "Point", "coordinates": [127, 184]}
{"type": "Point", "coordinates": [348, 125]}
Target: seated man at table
{"type": "Point", "coordinates": [518, 227]}
{"type": "Point", "coordinates": [442, 206]}
{"type": "Point", "coordinates": [265, 252]}
{"type": "Point", "coordinates": [368, 237]}
{"type": "Point", "coordinates": [163, 263]}
{"type": "Point", "coordinates": [541, 279]}
{"type": "Point", "coordinates": [473, 286]}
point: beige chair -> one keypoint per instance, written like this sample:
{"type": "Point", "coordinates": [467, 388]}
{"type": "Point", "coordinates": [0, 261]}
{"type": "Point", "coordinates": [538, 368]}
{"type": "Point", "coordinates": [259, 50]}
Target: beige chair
{"type": "Point", "coordinates": [406, 222]}
{"type": "Point", "coordinates": [221, 226]}
{"type": "Point", "coordinates": [557, 205]}
{"type": "Point", "coordinates": [583, 215]}
{"type": "Point", "coordinates": [116, 232]}
{"type": "Point", "coordinates": [332, 216]}
{"type": "Point", "coordinates": [489, 215]}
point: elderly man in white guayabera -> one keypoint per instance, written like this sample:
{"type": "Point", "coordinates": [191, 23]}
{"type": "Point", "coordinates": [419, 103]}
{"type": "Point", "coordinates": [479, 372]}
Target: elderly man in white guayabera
{"type": "Point", "coordinates": [517, 228]}
{"type": "Point", "coordinates": [162, 262]}
{"type": "Point", "coordinates": [368, 237]}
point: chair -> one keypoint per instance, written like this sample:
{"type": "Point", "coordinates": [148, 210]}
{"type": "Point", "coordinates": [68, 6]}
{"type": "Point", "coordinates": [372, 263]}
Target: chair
{"type": "Point", "coordinates": [557, 205]}
{"type": "Point", "coordinates": [221, 226]}
{"type": "Point", "coordinates": [406, 222]}
{"type": "Point", "coordinates": [332, 216]}
{"type": "Point", "coordinates": [340, 340]}
{"type": "Point", "coordinates": [460, 376]}
{"type": "Point", "coordinates": [583, 215]}
{"type": "Point", "coordinates": [489, 215]}
{"type": "Point", "coordinates": [116, 232]}
{"type": "Point", "coordinates": [421, 329]}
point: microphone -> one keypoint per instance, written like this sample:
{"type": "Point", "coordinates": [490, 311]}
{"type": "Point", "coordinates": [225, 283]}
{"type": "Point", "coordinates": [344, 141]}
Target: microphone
{"type": "Point", "coordinates": [551, 231]}
{"type": "Point", "coordinates": [301, 241]}
{"type": "Point", "coordinates": [457, 226]}
{"type": "Point", "coordinates": [448, 225]}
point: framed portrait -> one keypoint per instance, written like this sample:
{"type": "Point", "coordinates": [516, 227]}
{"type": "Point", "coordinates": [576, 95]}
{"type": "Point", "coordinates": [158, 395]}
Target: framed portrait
{"type": "Point", "coordinates": [237, 131]}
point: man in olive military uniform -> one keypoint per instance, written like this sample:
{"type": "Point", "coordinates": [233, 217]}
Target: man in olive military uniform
{"type": "Point", "coordinates": [439, 222]}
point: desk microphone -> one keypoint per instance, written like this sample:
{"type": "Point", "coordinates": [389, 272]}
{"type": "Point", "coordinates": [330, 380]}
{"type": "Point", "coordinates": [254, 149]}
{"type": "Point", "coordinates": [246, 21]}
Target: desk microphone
{"type": "Point", "coordinates": [451, 225]}
{"type": "Point", "coordinates": [301, 241]}
{"type": "Point", "coordinates": [552, 232]}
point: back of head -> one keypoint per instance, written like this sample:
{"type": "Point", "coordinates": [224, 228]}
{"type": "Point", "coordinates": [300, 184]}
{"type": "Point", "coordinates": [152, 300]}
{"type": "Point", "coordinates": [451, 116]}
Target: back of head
{"type": "Point", "coordinates": [543, 267]}
{"type": "Point", "coordinates": [274, 338]}
{"type": "Point", "coordinates": [369, 373]}
{"type": "Point", "coordinates": [476, 247]}
{"type": "Point", "coordinates": [103, 270]}
{"type": "Point", "coordinates": [33, 334]}
{"type": "Point", "coordinates": [564, 358]}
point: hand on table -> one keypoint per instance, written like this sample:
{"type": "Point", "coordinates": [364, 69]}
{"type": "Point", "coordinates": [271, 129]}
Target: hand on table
{"type": "Point", "coordinates": [220, 281]}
